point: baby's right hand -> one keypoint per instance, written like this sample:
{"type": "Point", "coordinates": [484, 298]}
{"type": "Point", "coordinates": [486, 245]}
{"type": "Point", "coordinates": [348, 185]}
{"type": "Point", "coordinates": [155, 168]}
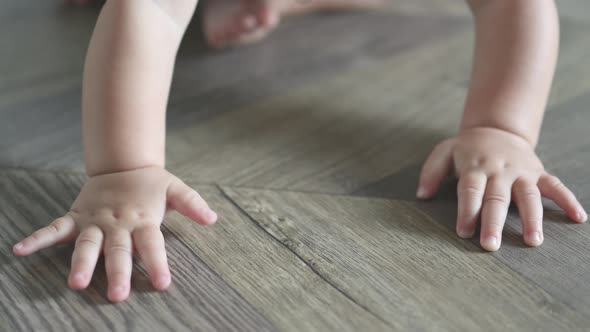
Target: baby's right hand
{"type": "Point", "coordinates": [116, 213]}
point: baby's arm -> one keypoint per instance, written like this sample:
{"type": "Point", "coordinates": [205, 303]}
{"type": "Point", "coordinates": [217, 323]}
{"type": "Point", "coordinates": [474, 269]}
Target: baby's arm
{"type": "Point", "coordinates": [126, 83]}
{"type": "Point", "coordinates": [493, 155]}
{"type": "Point", "coordinates": [515, 56]}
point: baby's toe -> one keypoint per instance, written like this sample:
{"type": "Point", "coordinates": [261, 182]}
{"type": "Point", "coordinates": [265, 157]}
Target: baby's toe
{"type": "Point", "coordinates": [266, 17]}
{"type": "Point", "coordinates": [231, 22]}
{"type": "Point", "coordinates": [235, 33]}
{"type": "Point", "coordinates": [248, 22]}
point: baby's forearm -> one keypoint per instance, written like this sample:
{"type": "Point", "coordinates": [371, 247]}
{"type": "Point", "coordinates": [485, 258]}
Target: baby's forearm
{"type": "Point", "coordinates": [127, 78]}
{"type": "Point", "coordinates": [514, 62]}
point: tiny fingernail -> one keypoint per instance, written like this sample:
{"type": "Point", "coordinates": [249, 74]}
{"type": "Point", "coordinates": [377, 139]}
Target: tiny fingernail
{"type": "Point", "coordinates": [582, 216]}
{"type": "Point", "coordinates": [18, 246]}
{"type": "Point", "coordinates": [249, 22]}
{"type": "Point", "coordinates": [211, 216]}
{"type": "Point", "coordinates": [465, 233]}
{"type": "Point", "coordinates": [119, 289]}
{"type": "Point", "coordinates": [492, 242]}
{"type": "Point", "coordinates": [422, 192]}
{"type": "Point", "coordinates": [162, 282]}
{"type": "Point", "coordinates": [537, 238]}
{"type": "Point", "coordinates": [78, 277]}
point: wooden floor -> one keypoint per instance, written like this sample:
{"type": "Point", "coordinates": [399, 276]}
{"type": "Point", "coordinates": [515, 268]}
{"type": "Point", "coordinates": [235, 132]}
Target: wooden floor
{"type": "Point", "coordinates": [309, 146]}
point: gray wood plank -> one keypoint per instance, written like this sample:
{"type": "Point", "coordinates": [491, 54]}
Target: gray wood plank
{"type": "Point", "coordinates": [334, 135]}
{"type": "Point", "coordinates": [321, 114]}
{"type": "Point", "coordinates": [396, 261]}
{"type": "Point", "coordinates": [574, 10]}
{"type": "Point", "coordinates": [206, 84]}
{"type": "Point", "coordinates": [571, 9]}
{"type": "Point", "coordinates": [563, 143]}
{"type": "Point", "coordinates": [562, 264]}
{"type": "Point", "coordinates": [34, 294]}
{"type": "Point", "coordinates": [283, 287]}
{"type": "Point", "coordinates": [355, 128]}
{"type": "Point", "coordinates": [306, 110]}
{"type": "Point", "coordinates": [568, 9]}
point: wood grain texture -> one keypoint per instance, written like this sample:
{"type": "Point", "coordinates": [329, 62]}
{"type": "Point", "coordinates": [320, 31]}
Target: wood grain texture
{"type": "Point", "coordinates": [34, 295]}
{"type": "Point", "coordinates": [561, 264]}
{"type": "Point", "coordinates": [293, 115]}
{"type": "Point", "coordinates": [333, 135]}
{"type": "Point", "coordinates": [235, 81]}
{"type": "Point", "coordinates": [355, 127]}
{"type": "Point", "coordinates": [397, 262]}
{"type": "Point", "coordinates": [563, 144]}
{"type": "Point", "coordinates": [283, 287]}
{"type": "Point", "coordinates": [574, 10]}
{"type": "Point", "coordinates": [317, 107]}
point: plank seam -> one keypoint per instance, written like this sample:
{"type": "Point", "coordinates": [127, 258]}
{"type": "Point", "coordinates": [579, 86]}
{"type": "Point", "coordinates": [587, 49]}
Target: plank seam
{"type": "Point", "coordinates": [325, 279]}
{"type": "Point", "coordinates": [216, 274]}
{"type": "Point", "coordinates": [470, 244]}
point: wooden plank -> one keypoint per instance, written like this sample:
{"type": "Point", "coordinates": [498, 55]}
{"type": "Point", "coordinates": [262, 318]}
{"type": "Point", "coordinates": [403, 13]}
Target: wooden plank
{"type": "Point", "coordinates": [574, 10]}
{"type": "Point", "coordinates": [34, 294]}
{"type": "Point", "coordinates": [563, 143]}
{"type": "Point", "coordinates": [352, 129]}
{"type": "Point", "coordinates": [335, 135]}
{"type": "Point", "coordinates": [571, 9]}
{"type": "Point", "coordinates": [568, 9]}
{"type": "Point", "coordinates": [355, 83]}
{"type": "Point", "coordinates": [318, 114]}
{"type": "Point", "coordinates": [252, 75]}
{"type": "Point", "coordinates": [42, 43]}
{"type": "Point", "coordinates": [393, 259]}
{"type": "Point", "coordinates": [283, 287]}
{"type": "Point", "coordinates": [561, 265]}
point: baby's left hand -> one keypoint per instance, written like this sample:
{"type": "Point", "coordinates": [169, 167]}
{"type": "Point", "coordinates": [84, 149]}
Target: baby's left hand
{"type": "Point", "coordinates": [495, 166]}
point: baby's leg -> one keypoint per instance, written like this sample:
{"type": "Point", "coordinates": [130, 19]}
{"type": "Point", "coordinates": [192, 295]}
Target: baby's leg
{"type": "Point", "coordinates": [232, 22]}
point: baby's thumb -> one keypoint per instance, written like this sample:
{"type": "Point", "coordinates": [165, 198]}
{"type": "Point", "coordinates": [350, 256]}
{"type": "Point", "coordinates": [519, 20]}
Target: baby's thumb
{"type": "Point", "coordinates": [435, 169]}
{"type": "Point", "coordinates": [188, 202]}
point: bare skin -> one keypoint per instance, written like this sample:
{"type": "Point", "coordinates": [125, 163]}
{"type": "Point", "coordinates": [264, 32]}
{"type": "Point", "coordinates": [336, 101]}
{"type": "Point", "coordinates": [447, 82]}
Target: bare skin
{"type": "Point", "coordinates": [116, 213]}
{"type": "Point", "coordinates": [234, 22]}
{"type": "Point", "coordinates": [123, 202]}
{"type": "Point", "coordinates": [493, 155]}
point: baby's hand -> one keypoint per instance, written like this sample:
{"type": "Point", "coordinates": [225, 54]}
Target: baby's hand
{"type": "Point", "coordinates": [493, 167]}
{"type": "Point", "coordinates": [117, 213]}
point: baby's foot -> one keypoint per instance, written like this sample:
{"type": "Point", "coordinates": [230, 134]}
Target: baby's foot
{"type": "Point", "coordinates": [232, 22]}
